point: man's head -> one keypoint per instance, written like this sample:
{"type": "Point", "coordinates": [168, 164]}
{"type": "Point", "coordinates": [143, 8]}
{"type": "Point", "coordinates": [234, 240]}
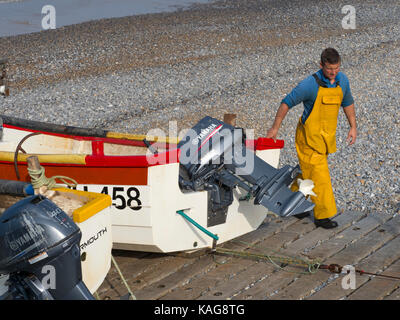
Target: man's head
{"type": "Point", "coordinates": [330, 63]}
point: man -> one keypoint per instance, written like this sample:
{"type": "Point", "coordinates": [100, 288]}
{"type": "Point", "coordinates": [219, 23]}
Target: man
{"type": "Point", "coordinates": [322, 95]}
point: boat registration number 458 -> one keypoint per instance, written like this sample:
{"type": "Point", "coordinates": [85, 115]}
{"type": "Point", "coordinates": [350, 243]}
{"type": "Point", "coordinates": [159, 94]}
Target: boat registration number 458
{"type": "Point", "coordinates": [122, 196]}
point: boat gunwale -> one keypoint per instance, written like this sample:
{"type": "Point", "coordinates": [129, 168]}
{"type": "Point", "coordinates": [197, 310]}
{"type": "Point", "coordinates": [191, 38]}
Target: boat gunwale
{"type": "Point", "coordinates": [80, 133]}
{"type": "Point", "coordinates": [98, 159]}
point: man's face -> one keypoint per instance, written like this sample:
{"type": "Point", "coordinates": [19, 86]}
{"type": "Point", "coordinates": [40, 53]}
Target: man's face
{"type": "Point", "coordinates": [330, 70]}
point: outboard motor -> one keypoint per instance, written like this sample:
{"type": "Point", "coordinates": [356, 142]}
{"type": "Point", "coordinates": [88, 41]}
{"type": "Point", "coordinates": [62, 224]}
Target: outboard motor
{"type": "Point", "coordinates": [213, 157]}
{"type": "Point", "coordinates": [39, 249]}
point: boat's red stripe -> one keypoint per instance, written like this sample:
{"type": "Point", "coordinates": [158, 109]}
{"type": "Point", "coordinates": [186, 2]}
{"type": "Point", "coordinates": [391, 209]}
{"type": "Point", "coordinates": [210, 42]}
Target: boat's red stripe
{"type": "Point", "coordinates": [99, 169]}
{"type": "Point", "coordinates": [265, 144]}
{"type": "Point", "coordinates": [82, 174]}
{"type": "Point", "coordinates": [100, 160]}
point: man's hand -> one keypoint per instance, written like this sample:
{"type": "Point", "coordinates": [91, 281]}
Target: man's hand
{"type": "Point", "coordinates": [272, 133]}
{"type": "Point", "coordinates": [352, 136]}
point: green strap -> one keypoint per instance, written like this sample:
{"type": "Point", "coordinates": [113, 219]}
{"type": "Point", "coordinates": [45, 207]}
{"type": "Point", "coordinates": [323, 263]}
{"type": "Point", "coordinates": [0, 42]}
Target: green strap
{"type": "Point", "coordinates": [214, 236]}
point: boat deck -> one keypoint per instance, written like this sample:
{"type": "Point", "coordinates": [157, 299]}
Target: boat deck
{"type": "Point", "coordinates": [368, 242]}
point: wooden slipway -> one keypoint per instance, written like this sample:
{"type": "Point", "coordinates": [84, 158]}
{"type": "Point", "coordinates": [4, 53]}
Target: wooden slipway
{"type": "Point", "coordinates": [368, 242]}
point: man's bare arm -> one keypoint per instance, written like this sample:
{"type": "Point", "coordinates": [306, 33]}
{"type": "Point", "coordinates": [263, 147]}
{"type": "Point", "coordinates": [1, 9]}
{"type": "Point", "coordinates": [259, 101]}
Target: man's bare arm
{"type": "Point", "coordinates": [280, 115]}
{"type": "Point", "coordinates": [351, 118]}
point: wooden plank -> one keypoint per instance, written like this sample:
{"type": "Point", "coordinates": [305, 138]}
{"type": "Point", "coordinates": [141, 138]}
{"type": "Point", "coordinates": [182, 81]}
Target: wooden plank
{"type": "Point", "coordinates": [353, 253]}
{"type": "Point", "coordinates": [373, 263]}
{"type": "Point", "coordinates": [154, 267]}
{"type": "Point", "coordinates": [237, 283]}
{"type": "Point", "coordinates": [395, 295]}
{"type": "Point", "coordinates": [271, 226]}
{"type": "Point", "coordinates": [227, 271]}
{"type": "Point", "coordinates": [178, 278]}
{"type": "Point", "coordinates": [268, 285]}
{"type": "Point", "coordinates": [351, 234]}
{"type": "Point", "coordinates": [152, 275]}
{"type": "Point", "coordinates": [377, 288]}
{"type": "Point", "coordinates": [161, 287]}
{"type": "Point", "coordinates": [319, 235]}
{"type": "Point", "coordinates": [251, 290]}
{"type": "Point", "coordinates": [254, 270]}
{"type": "Point", "coordinates": [163, 266]}
{"type": "Point", "coordinates": [137, 266]}
{"type": "Point", "coordinates": [135, 263]}
{"type": "Point", "coordinates": [301, 227]}
{"type": "Point", "coordinates": [201, 283]}
{"type": "Point", "coordinates": [271, 285]}
{"type": "Point", "coordinates": [258, 271]}
{"type": "Point", "coordinates": [309, 240]}
{"type": "Point", "coordinates": [132, 264]}
{"type": "Point", "coordinates": [108, 292]}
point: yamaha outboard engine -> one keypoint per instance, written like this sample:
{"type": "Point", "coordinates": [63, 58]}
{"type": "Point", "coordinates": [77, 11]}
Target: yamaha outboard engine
{"type": "Point", "coordinates": [39, 249]}
{"type": "Point", "coordinates": [213, 157]}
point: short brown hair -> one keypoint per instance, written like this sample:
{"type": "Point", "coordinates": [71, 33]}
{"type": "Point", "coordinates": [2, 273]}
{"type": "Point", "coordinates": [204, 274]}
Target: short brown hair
{"type": "Point", "coordinates": [330, 55]}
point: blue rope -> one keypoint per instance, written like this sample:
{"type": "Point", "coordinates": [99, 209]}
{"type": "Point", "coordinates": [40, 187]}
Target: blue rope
{"type": "Point", "coordinates": [214, 236]}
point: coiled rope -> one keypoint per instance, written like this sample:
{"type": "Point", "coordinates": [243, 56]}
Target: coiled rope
{"type": "Point", "coordinates": [39, 179]}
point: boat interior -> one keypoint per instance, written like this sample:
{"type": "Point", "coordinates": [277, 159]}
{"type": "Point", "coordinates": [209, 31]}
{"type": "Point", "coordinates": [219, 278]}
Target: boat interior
{"type": "Point", "coordinates": [7, 201]}
{"type": "Point", "coordinates": [43, 143]}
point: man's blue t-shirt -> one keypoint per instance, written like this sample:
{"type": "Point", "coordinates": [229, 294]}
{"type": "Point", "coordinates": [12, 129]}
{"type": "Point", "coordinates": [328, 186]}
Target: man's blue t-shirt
{"type": "Point", "coordinates": [307, 90]}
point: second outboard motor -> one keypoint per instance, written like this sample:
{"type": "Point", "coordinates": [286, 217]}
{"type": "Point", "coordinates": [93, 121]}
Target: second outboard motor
{"type": "Point", "coordinates": [39, 249]}
{"type": "Point", "coordinates": [214, 157]}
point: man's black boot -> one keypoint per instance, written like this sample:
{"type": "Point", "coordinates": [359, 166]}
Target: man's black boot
{"type": "Point", "coordinates": [325, 223]}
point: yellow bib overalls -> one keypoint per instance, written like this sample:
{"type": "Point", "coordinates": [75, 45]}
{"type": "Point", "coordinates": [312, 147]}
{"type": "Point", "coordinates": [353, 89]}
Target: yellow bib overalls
{"type": "Point", "coordinates": [315, 139]}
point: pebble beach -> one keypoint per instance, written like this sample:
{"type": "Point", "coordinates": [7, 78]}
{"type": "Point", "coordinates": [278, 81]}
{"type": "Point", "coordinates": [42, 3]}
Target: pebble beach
{"type": "Point", "coordinates": [137, 73]}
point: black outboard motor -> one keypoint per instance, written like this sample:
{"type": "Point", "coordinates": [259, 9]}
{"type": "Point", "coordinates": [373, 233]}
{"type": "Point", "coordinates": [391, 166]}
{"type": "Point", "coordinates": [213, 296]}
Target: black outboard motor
{"type": "Point", "coordinates": [39, 249]}
{"type": "Point", "coordinates": [213, 157]}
